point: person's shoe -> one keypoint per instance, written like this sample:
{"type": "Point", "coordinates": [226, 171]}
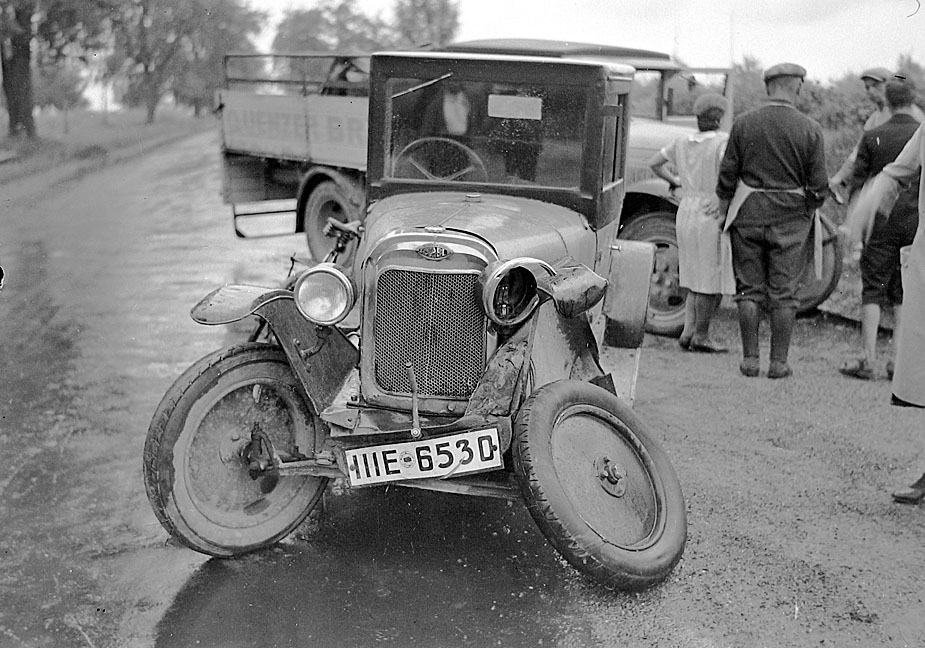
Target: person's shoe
{"type": "Point", "coordinates": [910, 495]}
{"type": "Point", "coordinates": [707, 347]}
{"type": "Point", "coordinates": [779, 369]}
{"type": "Point", "coordinates": [897, 401]}
{"type": "Point", "coordinates": [684, 343]}
{"type": "Point", "coordinates": [857, 369]}
{"type": "Point", "coordinates": [749, 367]}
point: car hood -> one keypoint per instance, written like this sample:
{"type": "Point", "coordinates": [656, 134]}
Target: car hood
{"type": "Point", "coordinates": [512, 226]}
{"type": "Point", "coordinates": [648, 136]}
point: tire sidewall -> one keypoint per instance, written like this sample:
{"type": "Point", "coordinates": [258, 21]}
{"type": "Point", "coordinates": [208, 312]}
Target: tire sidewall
{"type": "Point", "coordinates": [167, 429]}
{"type": "Point", "coordinates": [313, 220]}
{"type": "Point", "coordinates": [550, 506]}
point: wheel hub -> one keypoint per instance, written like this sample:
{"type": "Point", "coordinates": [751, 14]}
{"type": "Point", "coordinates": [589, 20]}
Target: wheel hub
{"type": "Point", "coordinates": [611, 475]}
{"type": "Point", "coordinates": [231, 449]}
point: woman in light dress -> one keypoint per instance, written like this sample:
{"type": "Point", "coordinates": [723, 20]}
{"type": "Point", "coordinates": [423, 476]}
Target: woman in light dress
{"type": "Point", "coordinates": [703, 269]}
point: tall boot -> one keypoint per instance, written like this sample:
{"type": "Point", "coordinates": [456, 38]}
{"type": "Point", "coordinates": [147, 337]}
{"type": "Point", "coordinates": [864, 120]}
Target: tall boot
{"type": "Point", "coordinates": [781, 330]}
{"type": "Point", "coordinates": [748, 329]}
{"type": "Point", "coordinates": [705, 306]}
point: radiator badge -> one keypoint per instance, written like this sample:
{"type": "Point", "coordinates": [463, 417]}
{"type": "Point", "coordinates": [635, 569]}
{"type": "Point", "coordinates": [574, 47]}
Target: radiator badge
{"type": "Point", "coordinates": [434, 251]}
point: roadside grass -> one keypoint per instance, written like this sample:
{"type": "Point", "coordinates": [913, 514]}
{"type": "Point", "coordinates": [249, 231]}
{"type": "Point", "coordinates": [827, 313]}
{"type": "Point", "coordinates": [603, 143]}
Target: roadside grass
{"type": "Point", "coordinates": [88, 135]}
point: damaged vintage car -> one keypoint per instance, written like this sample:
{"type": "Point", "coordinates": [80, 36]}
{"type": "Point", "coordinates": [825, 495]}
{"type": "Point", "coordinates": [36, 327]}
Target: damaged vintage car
{"type": "Point", "coordinates": [462, 350]}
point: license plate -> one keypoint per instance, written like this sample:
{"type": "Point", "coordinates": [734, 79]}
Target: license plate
{"type": "Point", "coordinates": [457, 454]}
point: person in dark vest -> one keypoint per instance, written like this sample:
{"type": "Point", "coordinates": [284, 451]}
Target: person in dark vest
{"type": "Point", "coordinates": [881, 283]}
{"type": "Point", "coordinates": [771, 180]}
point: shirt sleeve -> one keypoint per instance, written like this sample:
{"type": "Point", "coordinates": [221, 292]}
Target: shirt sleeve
{"type": "Point", "coordinates": [843, 175]}
{"type": "Point", "coordinates": [729, 166]}
{"type": "Point", "coordinates": [818, 185]}
{"type": "Point", "coordinates": [670, 152]}
{"type": "Point", "coordinates": [861, 171]}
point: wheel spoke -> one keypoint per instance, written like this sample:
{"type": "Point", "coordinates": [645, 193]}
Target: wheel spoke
{"type": "Point", "coordinates": [460, 174]}
{"type": "Point", "coordinates": [425, 172]}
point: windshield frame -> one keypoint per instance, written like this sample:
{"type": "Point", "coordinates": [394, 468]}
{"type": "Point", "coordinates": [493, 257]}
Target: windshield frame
{"type": "Point", "coordinates": [590, 77]}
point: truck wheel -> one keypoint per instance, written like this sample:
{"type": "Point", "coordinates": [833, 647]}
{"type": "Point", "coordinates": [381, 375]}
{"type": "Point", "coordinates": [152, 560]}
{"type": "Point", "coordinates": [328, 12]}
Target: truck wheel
{"type": "Point", "coordinates": [597, 484]}
{"type": "Point", "coordinates": [665, 315]}
{"type": "Point", "coordinates": [327, 200]}
{"type": "Point", "coordinates": [814, 291]}
{"type": "Point", "coordinates": [196, 469]}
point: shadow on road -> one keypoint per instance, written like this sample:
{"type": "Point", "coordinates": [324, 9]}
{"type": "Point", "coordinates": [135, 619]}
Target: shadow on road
{"type": "Point", "coordinates": [405, 567]}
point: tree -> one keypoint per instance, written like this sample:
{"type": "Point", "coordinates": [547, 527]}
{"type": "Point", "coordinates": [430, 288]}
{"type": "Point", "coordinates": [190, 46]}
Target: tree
{"type": "Point", "coordinates": [748, 84]}
{"type": "Point", "coordinates": [915, 73]}
{"type": "Point", "coordinates": [200, 74]}
{"type": "Point", "coordinates": [158, 41]}
{"type": "Point", "coordinates": [427, 22]}
{"type": "Point", "coordinates": [60, 85]}
{"type": "Point", "coordinates": [55, 24]}
{"type": "Point", "coordinates": [332, 26]}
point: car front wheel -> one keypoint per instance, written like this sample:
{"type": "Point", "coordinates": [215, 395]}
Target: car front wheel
{"type": "Point", "coordinates": [600, 488]}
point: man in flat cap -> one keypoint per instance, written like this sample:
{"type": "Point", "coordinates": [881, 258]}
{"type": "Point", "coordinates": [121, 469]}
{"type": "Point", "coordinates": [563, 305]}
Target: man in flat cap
{"type": "Point", "coordinates": [772, 179]}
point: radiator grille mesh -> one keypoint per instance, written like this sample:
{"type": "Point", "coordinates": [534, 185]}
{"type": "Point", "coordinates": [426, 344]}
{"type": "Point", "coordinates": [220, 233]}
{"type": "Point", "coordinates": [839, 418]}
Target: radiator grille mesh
{"type": "Point", "coordinates": [435, 321]}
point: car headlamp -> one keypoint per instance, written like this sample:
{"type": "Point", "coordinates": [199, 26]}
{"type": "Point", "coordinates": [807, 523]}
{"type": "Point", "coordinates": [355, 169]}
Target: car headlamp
{"type": "Point", "coordinates": [509, 292]}
{"type": "Point", "coordinates": [324, 294]}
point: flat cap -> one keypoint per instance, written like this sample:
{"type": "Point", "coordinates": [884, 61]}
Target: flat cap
{"type": "Point", "coordinates": [784, 69]}
{"type": "Point", "coordinates": [707, 101]}
{"type": "Point", "coordinates": [878, 74]}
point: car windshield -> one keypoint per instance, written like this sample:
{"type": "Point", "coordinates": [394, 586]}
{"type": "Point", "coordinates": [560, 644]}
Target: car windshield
{"type": "Point", "coordinates": [680, 90]}
{"type": "Point", "coordinates": [452, 130]}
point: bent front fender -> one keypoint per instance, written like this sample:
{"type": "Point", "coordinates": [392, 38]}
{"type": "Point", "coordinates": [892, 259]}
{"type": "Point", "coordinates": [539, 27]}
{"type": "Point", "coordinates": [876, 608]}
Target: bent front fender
{"type": "Point", "coordinates": [321, 356]}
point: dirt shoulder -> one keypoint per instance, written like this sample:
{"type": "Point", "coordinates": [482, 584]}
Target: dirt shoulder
{"type": "Point", "coordinates": [91, 142]}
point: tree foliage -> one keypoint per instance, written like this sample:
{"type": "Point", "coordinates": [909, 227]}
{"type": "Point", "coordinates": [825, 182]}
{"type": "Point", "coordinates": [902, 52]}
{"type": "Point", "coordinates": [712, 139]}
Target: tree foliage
{"type": "Point", "coordinates": [339, 25]}
{"type": "Point", "coordinates": [230, 28]}
{"type": "Point", "coordinates": [164, 44]}
{"type": "Point", "coordinates": [332, 26]}
{"type": "Point", "coordinates": [55, 25]}
{"type": "Point", "coordinates": [427, 22]}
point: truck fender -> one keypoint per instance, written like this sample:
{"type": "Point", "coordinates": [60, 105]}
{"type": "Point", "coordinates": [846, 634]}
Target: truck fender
{"type": "Point", "coordinates": [321, 356]}
{"type": "Point", "coordinates": [652, 187]}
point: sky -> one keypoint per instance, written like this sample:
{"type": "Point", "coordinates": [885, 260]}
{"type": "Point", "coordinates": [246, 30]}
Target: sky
{"type": "Point", "coordinates": [828, 37]}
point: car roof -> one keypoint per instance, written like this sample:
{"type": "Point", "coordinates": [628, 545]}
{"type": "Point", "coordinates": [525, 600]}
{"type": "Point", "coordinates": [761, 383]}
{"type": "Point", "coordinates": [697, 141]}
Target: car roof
{"type": "Point", "coordinates": [612, 66]}
{"type": "Point", "coordinates": [638, 58]}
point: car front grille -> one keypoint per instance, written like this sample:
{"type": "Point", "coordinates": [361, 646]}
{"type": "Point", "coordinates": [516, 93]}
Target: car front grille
{"type": "Point", "coordinates": [435, 322]}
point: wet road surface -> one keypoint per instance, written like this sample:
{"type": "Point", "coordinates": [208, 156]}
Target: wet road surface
{"type": "Point", "coordinates": [793, 540]}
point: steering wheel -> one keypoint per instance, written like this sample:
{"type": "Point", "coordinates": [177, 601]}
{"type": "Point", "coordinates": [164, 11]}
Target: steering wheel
{"type": "Point", "coordinates": [412, 154]}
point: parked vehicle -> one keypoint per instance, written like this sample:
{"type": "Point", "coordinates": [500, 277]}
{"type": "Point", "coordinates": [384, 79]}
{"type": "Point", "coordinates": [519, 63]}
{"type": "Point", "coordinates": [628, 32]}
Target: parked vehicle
{"type": "Point", "coordinates": [322, 162]}
{"type": "Point", "coordinates": [462, 353]}
{"type": "Point", "coordinates": [295, 126]}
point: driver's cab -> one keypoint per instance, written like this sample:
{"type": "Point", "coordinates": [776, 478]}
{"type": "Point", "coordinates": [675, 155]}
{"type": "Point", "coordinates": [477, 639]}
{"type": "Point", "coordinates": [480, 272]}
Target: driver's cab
{"type": "Point", "coordinates": [547, 129]}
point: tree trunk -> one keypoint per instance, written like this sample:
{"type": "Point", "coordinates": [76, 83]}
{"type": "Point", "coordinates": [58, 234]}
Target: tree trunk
{"type": "Point", "coordinates": [151, 106]}
{"type": "Point", "coordinates": [151, 93]}
{"type": "Point", "coordinates": [15, 56]}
